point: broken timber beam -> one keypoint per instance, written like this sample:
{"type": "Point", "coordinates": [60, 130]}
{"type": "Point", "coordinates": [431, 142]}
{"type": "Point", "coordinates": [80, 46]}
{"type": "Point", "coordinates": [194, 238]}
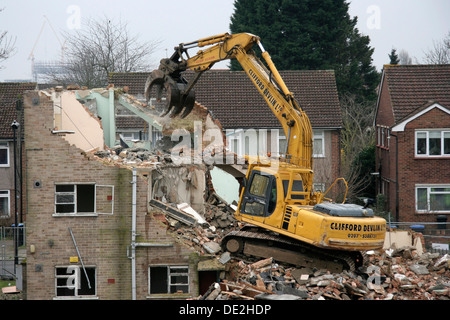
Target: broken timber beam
{"type": "Point", "coordinates": [174, 212]}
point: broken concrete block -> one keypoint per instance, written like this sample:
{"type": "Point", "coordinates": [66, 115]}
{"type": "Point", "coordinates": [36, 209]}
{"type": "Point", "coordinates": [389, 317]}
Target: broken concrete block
{"type": "Point", "coordinates": [323, 283]}
{"type": "Point", "coordinates": [212, 247]}
{"type": "Point", "coordinates": [296, 292]}
{"type": "Point", "coordinates": [442, 261]}
{"type": "Point", "coordinates": [419, 269]}
{"type": "Point", "coordinates": [225, 257]}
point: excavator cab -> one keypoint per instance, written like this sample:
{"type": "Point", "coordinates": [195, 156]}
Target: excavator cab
{"type": "Point", "coordinates": [260, 198]}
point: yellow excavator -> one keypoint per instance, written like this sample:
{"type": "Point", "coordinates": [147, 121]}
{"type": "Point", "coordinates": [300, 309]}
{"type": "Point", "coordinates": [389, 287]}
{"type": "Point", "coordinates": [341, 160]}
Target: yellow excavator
{"type": "Point", "coordinates": [284, 217]}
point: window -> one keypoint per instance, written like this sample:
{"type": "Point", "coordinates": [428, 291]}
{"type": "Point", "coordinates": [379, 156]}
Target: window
{"type": "Point", "coordinates": [134, 135]}
{"type": "Point", "coordinates": [4, 154]}
{"type": "Point", "coordinates": [432, 143]}
{"type": "Point", "coordinates": [282, 142]}
{"type": "Point", "coordinates": [4, 203]}
{"type": "Point", "coordinates": [433, 198]}
{"type": "Point", "coordinates": [383, 136]}
{"type": "Point", "coordinates": [168, 279]}
{"type": "Point", "coordinates": [318, 187]}
{"type": "Point", "coordinates": [297, 186]}
{"type": "Point", "coordinates": [259, 185]}
{"type": "Point", "coordinates": [260, 196]}
{"type": "Point", "coordinates": [75, 281]}
{"type": "Point", "coordinates": [84, 198]}
{"type": "Point", "coordinates": [319, 144]}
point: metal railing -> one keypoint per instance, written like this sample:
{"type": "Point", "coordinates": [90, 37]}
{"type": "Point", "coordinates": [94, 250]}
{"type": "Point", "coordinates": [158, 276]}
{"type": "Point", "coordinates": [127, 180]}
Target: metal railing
{"type": "Point", "coordinates": [9, 238]}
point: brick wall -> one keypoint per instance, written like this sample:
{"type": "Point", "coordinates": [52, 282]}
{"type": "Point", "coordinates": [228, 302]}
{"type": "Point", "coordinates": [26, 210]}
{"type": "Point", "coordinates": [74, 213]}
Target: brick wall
{"type": "Point", "coordinates": [102, 240]}
{"type": "Point", "coordinates": [412, 170]}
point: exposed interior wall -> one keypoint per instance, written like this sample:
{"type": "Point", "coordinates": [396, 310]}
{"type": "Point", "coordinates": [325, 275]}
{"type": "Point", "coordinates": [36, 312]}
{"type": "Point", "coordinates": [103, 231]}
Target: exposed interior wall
{"type": "Point", "coordinates": [76, 117]}
{"type": "Point", "coordinates": [82, 128]}
{"type": "Point", "coordinates": [184, 184]}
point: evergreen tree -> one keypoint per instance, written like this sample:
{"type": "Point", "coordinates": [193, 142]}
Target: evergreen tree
{"type": "Point", "coordinates": [311, 35]}
{"type": "Point", "coordinates": [393, 57]}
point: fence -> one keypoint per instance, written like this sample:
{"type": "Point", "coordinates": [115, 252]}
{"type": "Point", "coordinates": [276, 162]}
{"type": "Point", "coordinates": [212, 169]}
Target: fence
{"type": "Point", "coordinates": [9, 238]}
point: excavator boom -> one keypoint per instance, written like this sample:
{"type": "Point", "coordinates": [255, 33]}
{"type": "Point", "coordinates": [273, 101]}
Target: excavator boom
{"type": "Point", "coordinates": [167, 85]}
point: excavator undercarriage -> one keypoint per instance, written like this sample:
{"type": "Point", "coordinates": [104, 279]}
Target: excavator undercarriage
{"type": "Point", "coordinates": [261, 243]}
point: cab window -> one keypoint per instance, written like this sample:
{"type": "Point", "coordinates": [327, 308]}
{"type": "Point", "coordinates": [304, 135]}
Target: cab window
{"type": "Point", "coordinates": [259, 185]}
{"type": "Point", "coordinates": [297, 185]}
{"type": "Point", "coordinates": [261, 197]}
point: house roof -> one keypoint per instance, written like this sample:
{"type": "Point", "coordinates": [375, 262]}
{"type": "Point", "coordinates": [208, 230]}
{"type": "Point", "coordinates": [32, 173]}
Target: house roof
{"type": "Point", "coordinates": [232, 98]}
{"type": "Point", "coordinates": [9, 93]}
{"type": "Point", "coordinates": [412, 86]}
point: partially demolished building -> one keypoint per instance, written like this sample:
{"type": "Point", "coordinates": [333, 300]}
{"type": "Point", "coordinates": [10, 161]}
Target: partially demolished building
{"type": "Point", "coordinates": [98, 212]}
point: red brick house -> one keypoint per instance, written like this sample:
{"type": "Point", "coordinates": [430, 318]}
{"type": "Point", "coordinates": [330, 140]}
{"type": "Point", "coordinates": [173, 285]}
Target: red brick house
{"type": "Point", "coordinates": [413, 142]}
{"type": "Point", "coordinates": [231, 98]}
{"type": "Point", "coordinates": [9, 94]}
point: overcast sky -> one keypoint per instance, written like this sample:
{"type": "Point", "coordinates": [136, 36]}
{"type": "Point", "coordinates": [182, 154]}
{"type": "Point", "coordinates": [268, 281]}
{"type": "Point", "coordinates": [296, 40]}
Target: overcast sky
{"type": "Point", "coordinates": [411, 25]}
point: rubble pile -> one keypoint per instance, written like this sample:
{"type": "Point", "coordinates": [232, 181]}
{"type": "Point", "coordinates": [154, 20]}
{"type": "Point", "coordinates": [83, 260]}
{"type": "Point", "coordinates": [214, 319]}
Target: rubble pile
{"type": "Point", "coordinates": [133, 156]}
{"type": "Point", "coordinates": [205, 238]}
{"type": "Point", "coordinates": [398, 275]}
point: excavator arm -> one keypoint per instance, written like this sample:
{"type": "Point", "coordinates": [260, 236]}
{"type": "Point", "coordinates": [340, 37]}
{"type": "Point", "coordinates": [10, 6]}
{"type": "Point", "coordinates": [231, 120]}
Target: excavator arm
{"type": "Point", "coordinates": [167, 84]}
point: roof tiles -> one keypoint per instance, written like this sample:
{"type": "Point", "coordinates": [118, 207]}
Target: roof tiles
{"type": "Point", "coordinates": [412, 86]}
{"type": "Point", "coordinates": [9, 93]}
{"type": "Point", "coordinates": [232, 98]}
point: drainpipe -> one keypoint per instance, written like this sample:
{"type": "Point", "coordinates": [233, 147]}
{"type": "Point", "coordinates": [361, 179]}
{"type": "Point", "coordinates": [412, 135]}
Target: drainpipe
{"type": "Point", "coordinates": [397, 201]}
{"type": "Point", "coordinates": [133, 237]}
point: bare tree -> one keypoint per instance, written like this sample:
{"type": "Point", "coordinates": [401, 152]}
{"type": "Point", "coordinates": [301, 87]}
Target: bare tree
{"type": "Point", "coordinates": [357, 134]}
{"type": "Point", "coordinates": [7, 48]}
{"type": "Point", "coordinates": [440, 53]}
{"type": "Point", "coordinates": [100, 47]}
{"type": "Point", "coordinates": [404, 57]}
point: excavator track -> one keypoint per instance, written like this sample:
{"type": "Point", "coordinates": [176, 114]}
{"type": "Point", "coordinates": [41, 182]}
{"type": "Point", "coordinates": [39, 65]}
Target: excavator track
{"type": "Point", "coordinates": [264, 244]}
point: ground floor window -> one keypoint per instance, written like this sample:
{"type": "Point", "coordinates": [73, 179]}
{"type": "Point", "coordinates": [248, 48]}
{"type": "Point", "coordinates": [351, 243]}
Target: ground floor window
{"type": "Point", "coordinates": [75, 281]}
{"type": "Point", "coordinates": [433, 198]}
{"type": "Point", "coordinates": [168, 279]}
{"type": "Point", "coordinates": [4, 203]}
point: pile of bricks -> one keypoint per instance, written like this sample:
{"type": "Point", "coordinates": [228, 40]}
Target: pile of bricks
{"type": "Point", "coordinates": [398, 275]}
{"type": "Point", "coordinates": [206, 238]}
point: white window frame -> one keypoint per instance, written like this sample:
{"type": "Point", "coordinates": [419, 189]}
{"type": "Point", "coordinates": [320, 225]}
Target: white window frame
{"type": "Point", "coordinates": [427, 132]}
{"type": "Point", "coordinates": [234, 141]}
{"type": "Point", "coordinates": [74, 193]}
{"type": "Point", "coordinates": [6, 194]}
{"type": "Point", "coordinates": [429, 193]}
{"type": "Point", "coordinates": [282, 142]}
{"type": "Point", "coordinates": [383, 136]}
{"type": "Point", "coordinates": [5, 146]}
{"type": "Point", "coordinates": [170, 268]}
{"type": "Point", "coordinates": [73, 282]}
{"type": "Point", "coordinates": [319, 187]}
{"type": "Point", "coordinates": [319, 136]}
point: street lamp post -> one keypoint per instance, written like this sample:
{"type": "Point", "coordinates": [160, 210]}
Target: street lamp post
{"type": "Point", "coordinates": [15, 125]}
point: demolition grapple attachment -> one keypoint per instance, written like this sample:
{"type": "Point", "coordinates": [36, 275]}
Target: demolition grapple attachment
{"type": "Point", "coordinates": [169, 93]}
